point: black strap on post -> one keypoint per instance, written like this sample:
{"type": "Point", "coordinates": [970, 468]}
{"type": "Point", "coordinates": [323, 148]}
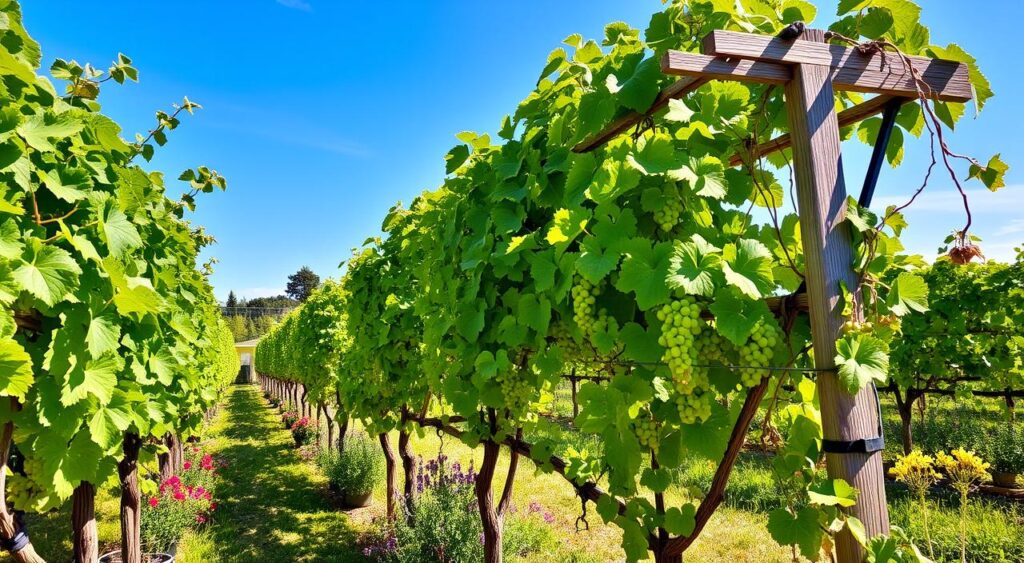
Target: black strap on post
{"type": "Point", "coordinates": [863, 445]}
{"type": "Point", "coordinates": [20, 540]}
{"type": "Point", "coordinates": [892, 108]}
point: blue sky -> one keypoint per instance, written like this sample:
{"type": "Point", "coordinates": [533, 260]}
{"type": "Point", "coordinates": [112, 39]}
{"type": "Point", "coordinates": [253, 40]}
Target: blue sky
{"type": "Point", "coordinates": [323, 113]}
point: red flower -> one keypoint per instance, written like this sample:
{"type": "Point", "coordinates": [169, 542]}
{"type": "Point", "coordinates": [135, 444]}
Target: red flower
{"type": "Point", "coordinates": [178, 495]}
{"type": "Point", "coordinates": [213, 506]}
{"type": "Point", "coordinates": [153, 501]}
{"type": "Point", "coordinates": [188, 465]}
{"type": "Point", "coordinates": [200, 518]}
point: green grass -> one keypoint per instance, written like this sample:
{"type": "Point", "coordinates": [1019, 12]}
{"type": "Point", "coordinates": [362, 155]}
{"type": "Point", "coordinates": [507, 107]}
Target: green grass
{"type": "Point", "coordinates": [273, 505]}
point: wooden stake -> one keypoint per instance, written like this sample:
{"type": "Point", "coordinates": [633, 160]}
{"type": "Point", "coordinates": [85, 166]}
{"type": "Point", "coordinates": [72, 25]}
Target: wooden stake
{"type": "Point", "coordinates": [818, 167]}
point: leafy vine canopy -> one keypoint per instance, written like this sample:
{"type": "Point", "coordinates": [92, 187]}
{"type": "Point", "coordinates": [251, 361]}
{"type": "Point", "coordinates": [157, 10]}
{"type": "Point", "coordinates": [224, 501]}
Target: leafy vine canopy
{"type": "Point", "coordinates": [124, 334]}
{"type": "Point", "coordinates": [650, 261]}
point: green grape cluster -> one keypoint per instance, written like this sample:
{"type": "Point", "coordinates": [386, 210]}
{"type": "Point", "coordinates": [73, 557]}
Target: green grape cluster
{"type": "Point", "coordinates": [680, 331]}
{"type": "Point", "coordinates": [647, 432]}
{"type": "Point", "coordinates": [693, 399]}
{"type": "Point", "coordinates": [681, 323]}
{"type": "Point", "coordinates": [584, 306]}
{"type": "Point", "coordinates": [758, 352]}
{"type": "Point", "coordinates": [517, 392]}
{"type": "Point", "coordinates": [668, 216]}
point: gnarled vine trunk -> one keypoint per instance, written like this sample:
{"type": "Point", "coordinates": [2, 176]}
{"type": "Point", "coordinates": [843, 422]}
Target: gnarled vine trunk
{"type": "Point", "coordinates": [172, 462]}
{"type": "Point", "coordinates": [489, 515]}
{"type": "Point", "coordinates": [330, 425]}
{"type": "Point", "coordinates": [408, 463]}
{"type": "Point", "coordinates": [905, 408]}
{"type": "Point", "coordinates": [83, 524]}
{"type": "Point", "coordinates": [392, 487]}
{"type": "Point", "coordinates": [10, 527]}
{"type": "Point", "coordinates": [131, 500]}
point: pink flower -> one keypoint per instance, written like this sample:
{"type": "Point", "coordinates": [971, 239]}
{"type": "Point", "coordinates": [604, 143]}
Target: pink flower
{"type": "Point", "coordinates": [188, 465]}
{"type": "Point", "coordinates": [213, 506]}
{"type": "Point", "coordinates": [153, 501]}
{"type": "Point", "coordinates": [178, 495]}
{"type": "Point", "coordinates": [200, 518]}
{"type": "Point", "coordinates": [549, 518]}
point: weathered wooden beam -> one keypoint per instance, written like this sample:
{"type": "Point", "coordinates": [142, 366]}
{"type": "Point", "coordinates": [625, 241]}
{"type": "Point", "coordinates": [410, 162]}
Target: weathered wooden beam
{"type": "Point", "coordinates": [879, 73]}
{"type": "Point", "coordinates": [847, 117]}
{"type": "Point", "coordinates": [691, 64]}
{"type": "Point", "coordinates": [828, 256]}
{"type": "Point", "coordinates": [677, 89]}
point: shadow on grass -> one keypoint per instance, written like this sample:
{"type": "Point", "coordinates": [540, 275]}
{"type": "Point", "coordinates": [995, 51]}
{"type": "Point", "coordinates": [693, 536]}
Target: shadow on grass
{"type": "Point", "coordinates": [271, 505]}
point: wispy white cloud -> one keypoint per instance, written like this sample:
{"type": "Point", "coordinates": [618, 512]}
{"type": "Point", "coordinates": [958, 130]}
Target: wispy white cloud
{"type": "Point", "coordinates": [1014, 226]}
{"type": "Point", "coordinates": [296, 5]}
{"type": "Point", "coordinates": [943, 200]}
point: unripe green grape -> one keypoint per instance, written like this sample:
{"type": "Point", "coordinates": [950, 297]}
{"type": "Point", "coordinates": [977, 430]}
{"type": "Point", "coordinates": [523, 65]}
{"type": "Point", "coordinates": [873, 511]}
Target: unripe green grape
{"type": "Point", "coordinates": [646, 429]}
{"type": "Point", "coordinates": [757, 352]}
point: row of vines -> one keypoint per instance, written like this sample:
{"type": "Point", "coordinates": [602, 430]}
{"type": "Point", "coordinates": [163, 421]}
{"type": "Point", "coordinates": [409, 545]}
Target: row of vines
{"type": "Point", "coordinates": [112, 348]}
{"type": "Point", "coordinates": [650, 262]}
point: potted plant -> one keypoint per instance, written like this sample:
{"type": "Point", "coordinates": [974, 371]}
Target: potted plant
{"type": "Point", "coordinates": [1007, 455]}
{"type": "Point", "coordinates": [355, 472]}
{"type": "Point", "coordinates": [289, 418]}
{"type": "Point", "coordinates": [182, 502]}
{"type": "Point", "coordinates": [303, 431]}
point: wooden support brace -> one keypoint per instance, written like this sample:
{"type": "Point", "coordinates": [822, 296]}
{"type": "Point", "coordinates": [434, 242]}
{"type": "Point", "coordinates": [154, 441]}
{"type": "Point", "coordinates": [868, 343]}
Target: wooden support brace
{"type": "Point", "coordinates": [879, 73]}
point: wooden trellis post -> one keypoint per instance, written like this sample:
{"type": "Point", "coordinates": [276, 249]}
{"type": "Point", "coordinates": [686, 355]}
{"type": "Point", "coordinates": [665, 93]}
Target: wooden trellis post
{"type": "Point", "coordinates": [811, 70]}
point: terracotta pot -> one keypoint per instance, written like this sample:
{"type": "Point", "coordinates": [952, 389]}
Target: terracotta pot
{"type": "Point", "coordinates": [1004, 479]}
{"type": "Point", "coordinates": [358, 501]}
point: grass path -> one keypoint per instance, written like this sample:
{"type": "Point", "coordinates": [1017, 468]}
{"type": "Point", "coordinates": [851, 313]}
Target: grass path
{"type": "Point", "coordinates": [271, 502]}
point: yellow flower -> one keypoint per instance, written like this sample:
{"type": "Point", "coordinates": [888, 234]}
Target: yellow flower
{"type": "Point", "coordinates": [963, 468]}
{"type": "Point", "coordinates": [916, 470]}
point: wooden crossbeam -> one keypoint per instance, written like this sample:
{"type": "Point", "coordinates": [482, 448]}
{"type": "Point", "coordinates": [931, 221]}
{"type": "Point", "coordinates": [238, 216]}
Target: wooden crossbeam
{"type": "Point", "coordinates": [878, 73]}
{"type": "Point", "coordinates": [847, 117]}
{"type": "Point", "coordinates": [692, 64]}
{"type": "Point", "coordinates": [618, 126]}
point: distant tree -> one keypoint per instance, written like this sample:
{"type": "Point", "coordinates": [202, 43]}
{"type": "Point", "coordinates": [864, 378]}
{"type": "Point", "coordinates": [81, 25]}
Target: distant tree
{"type": "Point", "coordinates": [239, 330]}
{"type": "Point", "coordinates": [275, 302]}
{"type": "Point", "coordinates": [232, 301]}
{"type": "Point", "coordinates": [301, 284]}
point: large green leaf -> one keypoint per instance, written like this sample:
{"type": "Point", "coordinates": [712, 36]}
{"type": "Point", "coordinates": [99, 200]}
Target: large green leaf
{"type": "Point", "coordinates": [16, 374]}
{"type": "Point", "coordinates": [748, 267]}
{"type": "Point", "coordinates": [694, 265]}
{"type": "Point", "coordinates": [861, 359]}
{"type": "Point", "coordinates": [47, 272]}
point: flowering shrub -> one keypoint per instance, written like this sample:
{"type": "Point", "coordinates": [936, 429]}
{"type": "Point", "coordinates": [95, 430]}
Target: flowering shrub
{"type": "Point", "coordinates": [290, 418]}
{"type": "Point", "coordinates": [183, 502]}
{"type": "Point", "coordinates": [355, 471]}
{"type": "Point", "coordinates": [451, 531]}
{"type": "Point", "coordinates": [303, 431]}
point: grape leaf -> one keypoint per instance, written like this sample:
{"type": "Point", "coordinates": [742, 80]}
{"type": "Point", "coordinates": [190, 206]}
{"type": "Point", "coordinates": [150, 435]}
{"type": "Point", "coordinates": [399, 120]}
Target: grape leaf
{"type": "Point", "coordinates": [693, 265]}
{"type": "Point", "coordinates": [861, 359]}
{"type": "Point", "coordinates": [800, 529]}
{"type": "Point", "coordinates": [908, 293]}
{"type": "Point", "coordinates": [644, 271]}
{"type": "Point", "coordinates": [47, 272]}
{"type": "Point", "coordinates": [747, 266]}
{"type": "Point", "coordinates": [16, 374]}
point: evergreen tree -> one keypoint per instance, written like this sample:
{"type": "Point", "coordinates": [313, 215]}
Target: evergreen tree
{"type": "Point", "coordinates": [301, 284]}
{"type": "Point", "coordinates": [232, 301]}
